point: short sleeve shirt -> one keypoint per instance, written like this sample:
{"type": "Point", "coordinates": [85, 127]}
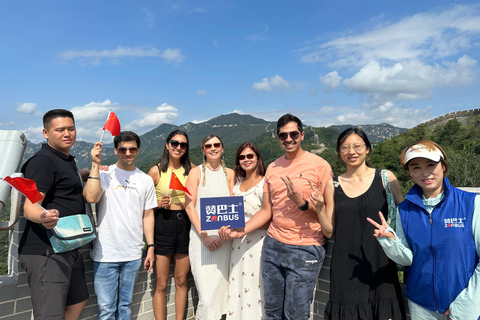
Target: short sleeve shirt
{"type": "Point", "coordinates": [289, 224]}
{"type": "Point", "coordinates": [56, 175]}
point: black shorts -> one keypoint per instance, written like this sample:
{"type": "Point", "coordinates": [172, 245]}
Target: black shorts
{"type": "Point", "coordinates": [56, 280]}
{"type": "Point", "coordinates": [172, 232]}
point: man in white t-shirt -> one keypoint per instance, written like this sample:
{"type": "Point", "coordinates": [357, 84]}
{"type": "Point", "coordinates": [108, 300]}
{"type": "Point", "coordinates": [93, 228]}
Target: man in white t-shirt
{"type": "Point", "coordinates": [127, 199]}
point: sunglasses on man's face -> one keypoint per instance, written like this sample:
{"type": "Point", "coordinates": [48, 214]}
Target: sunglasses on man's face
{"type": "Point", "coordinates": [209, 145]}
{"type": "Point", "coordinates": [175, 144]}
{"type": "Point", "coordinates": [249, 156]}
{"type": "Point", "coordinates": [284, 135]}
{"type": "Point", "coordinates": [123, 150]}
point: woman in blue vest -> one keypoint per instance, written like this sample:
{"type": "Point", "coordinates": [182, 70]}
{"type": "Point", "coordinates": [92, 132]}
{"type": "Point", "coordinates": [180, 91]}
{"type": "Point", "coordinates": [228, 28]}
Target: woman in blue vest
{"type": "Point", "coordinates": [438, 239]}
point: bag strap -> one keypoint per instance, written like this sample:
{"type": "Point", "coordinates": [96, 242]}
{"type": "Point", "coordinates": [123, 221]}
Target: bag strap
{"type": "Point", "coordinates": [88, 206]}
{"type": "Point", "coordinates": [386, 182]}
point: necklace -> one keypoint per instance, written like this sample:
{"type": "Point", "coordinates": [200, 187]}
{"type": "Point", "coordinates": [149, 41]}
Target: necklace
{"type": "Point", "coordinates": [210, 167]}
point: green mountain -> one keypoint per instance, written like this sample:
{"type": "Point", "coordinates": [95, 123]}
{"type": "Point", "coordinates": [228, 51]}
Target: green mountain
{"type": "Point", "coordinates": [233, 129]}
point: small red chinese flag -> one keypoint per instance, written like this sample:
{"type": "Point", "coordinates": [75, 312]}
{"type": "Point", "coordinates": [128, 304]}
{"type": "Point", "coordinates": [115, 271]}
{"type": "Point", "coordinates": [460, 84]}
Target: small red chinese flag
{"type": "Point", "coordinates": [26, 186]}
{"type": "Point", "coordinates": [175, 184]}
{"type": "Point", "coordinates": [112, 124]}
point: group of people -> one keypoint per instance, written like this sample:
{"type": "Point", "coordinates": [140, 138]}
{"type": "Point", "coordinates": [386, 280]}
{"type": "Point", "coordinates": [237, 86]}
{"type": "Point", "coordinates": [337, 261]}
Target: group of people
{"type": "Point", "coordinates": [269, 268]}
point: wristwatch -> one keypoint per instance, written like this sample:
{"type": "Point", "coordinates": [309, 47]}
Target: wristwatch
{"type": "Point", "coordinates": [304, 206]}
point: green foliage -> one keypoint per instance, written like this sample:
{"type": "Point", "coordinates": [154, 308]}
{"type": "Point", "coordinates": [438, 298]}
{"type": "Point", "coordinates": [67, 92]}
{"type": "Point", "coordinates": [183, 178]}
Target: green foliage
{"type": "Point", "coordinates": [4, 215]}
{"type": "Point", "coordinates": [460, 142]}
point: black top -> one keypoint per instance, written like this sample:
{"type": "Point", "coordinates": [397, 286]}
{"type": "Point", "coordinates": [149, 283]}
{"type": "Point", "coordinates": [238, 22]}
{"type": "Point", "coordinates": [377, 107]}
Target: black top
{"type": "Point", "coordinates": [57, 175]}
{"type": "Point", "coordinates": [363, 281]}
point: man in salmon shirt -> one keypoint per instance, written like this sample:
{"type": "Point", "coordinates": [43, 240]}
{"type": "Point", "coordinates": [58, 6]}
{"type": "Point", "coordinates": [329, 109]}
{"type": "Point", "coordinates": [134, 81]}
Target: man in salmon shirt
{"type": "Point", "coordinates": [293, 251]}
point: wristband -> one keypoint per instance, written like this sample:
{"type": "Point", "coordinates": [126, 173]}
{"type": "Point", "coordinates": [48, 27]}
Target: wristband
{"type": "Point", "coordinates": [304, 206]}
{"type": "Point", "coordinates": [150, 245]}
{"type": "Point", "coordinates": [96, 178]}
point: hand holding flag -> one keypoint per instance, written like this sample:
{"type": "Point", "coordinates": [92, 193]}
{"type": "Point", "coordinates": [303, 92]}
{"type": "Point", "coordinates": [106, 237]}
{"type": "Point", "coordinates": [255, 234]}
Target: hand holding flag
{"type": "Point", "coordinates": [175, 184]}
{"type": "Point", "coordinates": [29, 189]}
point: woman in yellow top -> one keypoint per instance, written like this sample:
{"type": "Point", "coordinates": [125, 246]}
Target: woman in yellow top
{"type": "Point", "coordinates": [172, 225]}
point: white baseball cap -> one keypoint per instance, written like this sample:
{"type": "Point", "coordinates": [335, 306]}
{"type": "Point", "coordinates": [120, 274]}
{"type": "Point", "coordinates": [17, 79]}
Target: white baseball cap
{"type": "Point", "coordinates": [421, 151]}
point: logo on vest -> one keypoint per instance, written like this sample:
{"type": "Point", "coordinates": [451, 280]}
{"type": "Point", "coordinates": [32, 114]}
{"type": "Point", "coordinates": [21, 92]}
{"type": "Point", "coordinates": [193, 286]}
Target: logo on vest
{"type": "Point", "coordinates": [454, 222]}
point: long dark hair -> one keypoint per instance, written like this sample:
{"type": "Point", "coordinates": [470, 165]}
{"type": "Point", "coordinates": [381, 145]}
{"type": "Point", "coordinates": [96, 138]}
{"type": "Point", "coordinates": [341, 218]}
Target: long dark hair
{"type": "Point", "coordinates": [348, 132]}
{"type": "Point", "coordinates": [239, 172]}
{"type": "Point", "coordinates": [184, 160]}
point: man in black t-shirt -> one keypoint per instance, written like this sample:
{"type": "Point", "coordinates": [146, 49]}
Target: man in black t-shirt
{"type": "Point", "coordinates": [57, 281]}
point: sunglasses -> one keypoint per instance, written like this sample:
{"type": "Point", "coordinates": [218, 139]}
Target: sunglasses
{"type": "Point", "coordinates": [249, 156]}
{"type": "Point", "coordinates": [284, 135]}
{"type": "Point", "coordinates": [209, 145]}
{"type": "Point", "coordinates": [124, 150]}
{"type": "Point", "coordinates": [175, 144]}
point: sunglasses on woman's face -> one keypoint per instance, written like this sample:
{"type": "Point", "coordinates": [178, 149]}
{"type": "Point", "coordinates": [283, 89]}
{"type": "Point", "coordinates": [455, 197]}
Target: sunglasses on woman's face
{"type": "Point", "coordinates": [284, 135]}
{"type": "Point", "coordinates": [175, 144]}
{"type": "Point", "coordinates": [209, 145]}
{"type": "Point", "coordinates": [249, 156]}
{"type": "Point", "coordinates": [124, 150]}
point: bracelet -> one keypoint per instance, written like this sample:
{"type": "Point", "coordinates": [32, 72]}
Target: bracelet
{"type": "Point", "coordinates": [90, 177]}
{"type": "Point", "coordinates": [150, 245]}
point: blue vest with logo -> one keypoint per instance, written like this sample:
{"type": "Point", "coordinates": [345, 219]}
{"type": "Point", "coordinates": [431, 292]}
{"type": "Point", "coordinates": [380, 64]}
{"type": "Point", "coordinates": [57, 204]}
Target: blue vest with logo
{"type": "Point", "coordinates": [444, 255]}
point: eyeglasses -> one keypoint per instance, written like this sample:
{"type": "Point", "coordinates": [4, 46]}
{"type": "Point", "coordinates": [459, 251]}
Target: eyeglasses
{"type": "Point", "coordinates": [249, 156]}
{"type": "Point", "coordinates": [209, 145]}
{"type": "Point", "coordinates": [356, 148]}
{"type": "Point", "coordinates": [124, 150]}
{"type": "Point", "coordinates": [284, 135]}
{"type": "Point", "coordinates": [175, 144]}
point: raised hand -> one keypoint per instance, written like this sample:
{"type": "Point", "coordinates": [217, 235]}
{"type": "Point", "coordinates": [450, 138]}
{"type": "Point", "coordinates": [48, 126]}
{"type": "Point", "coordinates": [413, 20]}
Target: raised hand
{"type": "Point", "coordinates": [381, 229]}
{"type": "Point", "coordinates": [294, 193]}
{"type": "Point", "coordinates": [316, 196]}
{"type": "Point", "coordinates": [97, 152]}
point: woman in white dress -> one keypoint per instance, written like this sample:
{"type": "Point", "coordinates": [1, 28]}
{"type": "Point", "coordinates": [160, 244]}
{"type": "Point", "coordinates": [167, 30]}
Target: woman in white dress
{"type": "Point", "coordinates": [209, 253]}
{"type": "Point", "coordinates": [245, 294]}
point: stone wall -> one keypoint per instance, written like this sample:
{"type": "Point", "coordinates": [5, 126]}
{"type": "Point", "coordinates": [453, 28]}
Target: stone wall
{"type": "Point", "coordinates": [460, 115]}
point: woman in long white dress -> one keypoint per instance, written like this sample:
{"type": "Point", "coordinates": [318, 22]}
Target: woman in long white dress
{"type": "Point", "coordinates": [245, 295]}
{"type": "Point", "coordinates": [209, 253]}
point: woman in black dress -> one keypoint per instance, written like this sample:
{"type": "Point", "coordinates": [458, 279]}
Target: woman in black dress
{"type": "Point", "coordinates": [363, 281]}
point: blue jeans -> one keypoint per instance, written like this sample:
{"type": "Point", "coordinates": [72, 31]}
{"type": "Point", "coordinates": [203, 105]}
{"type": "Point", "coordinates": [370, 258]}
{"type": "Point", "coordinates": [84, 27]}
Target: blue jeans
{"type": "Point", "coordinates": [114, 282]}
{"type": "Point", "coordinates": [290, 273]}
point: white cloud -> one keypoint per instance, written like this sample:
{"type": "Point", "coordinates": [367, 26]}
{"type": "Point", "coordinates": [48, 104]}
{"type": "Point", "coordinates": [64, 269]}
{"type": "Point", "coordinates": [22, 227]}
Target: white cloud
{"type": "Point", "coordinates": [423, 35]}
{"type": "Point", "coordinates": [331, 81]}
{"type": "Point", "coordinates": [34, 134]}
{"type": "Point", "coordinates": [93, 111]}
{"type": "Point", "coordinates": [163, 114]}
{"type": "Point", "coordinates": [27, 107]}
{"type": "Point", "coordinates": [149, 17]}
{"type": "Point", "coordinates": [94, 57]}
{"type": "Point", "coordinates": [271, 84]}
{"type": "Point", "coordinates": [201, 92]}
{"type": "Point", "coordinates": [410, 80]}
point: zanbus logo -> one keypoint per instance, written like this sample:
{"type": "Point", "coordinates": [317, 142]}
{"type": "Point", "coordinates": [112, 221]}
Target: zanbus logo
{"type": "Point", "coordinates": [222, 211]}
{"type": "Point", "coordinates": [454, 222]}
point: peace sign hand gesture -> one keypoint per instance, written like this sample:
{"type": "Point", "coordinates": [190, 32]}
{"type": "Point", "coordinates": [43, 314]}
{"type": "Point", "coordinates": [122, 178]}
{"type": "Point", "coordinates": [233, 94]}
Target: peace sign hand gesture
{"type": "Point", "coordinates": [381, 229]}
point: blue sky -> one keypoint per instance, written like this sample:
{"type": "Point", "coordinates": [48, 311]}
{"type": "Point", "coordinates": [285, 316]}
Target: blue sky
{"type": "Point", "coordinates": [329, 62]}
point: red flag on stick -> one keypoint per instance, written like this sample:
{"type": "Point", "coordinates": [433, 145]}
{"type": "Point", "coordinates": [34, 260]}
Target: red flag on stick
{"type": "Point", "coordinates": [175, 184]}
{"type": "Point", "coordinates": [112, 124]}
{"type": "Point", "coordinates": [25, 186]}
